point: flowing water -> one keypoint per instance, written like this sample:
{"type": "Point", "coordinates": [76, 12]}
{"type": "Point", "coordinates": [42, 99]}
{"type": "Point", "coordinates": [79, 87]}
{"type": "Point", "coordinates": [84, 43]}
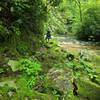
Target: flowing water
{"type": "Point", "coordinates": [70, 43]}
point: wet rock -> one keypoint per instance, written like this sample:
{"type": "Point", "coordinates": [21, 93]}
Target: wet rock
{"type": "Point", "coordinates": [60, 79]}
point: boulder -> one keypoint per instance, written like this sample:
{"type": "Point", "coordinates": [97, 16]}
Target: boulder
{"type": "Point", "coordinates": [60, 79]}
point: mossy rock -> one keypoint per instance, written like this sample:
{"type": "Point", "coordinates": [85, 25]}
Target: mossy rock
{"type": "Point", "coordinates": [60, 79]}
{"type": "Point", "coordinates": [88, 89]}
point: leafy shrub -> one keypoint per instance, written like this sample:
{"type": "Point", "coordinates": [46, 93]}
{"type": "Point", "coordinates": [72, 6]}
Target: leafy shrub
{"type": "Point", "coordinates": [30, 70]}
{"type": "Point", "coordinates": [29, 67]}
{"type": "Point", "coordinates": [89, 29]}
{"type": "Point", "coordinates": [84, 67]}
{"type": "Point", "coordinates": [22, 48]}
{"type": "Point", "coordinates": [1, 70]}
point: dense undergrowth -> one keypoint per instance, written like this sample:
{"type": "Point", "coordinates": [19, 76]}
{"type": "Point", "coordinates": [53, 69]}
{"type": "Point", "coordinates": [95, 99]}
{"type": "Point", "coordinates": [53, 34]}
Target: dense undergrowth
{"type": "Point", "coordinates": [33, 67]}
{"type": "Point", "coordinates": [30, 80]}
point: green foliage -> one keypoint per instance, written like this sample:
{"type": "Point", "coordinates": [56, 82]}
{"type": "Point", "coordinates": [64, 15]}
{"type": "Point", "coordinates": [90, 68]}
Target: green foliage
{"type": "Point", "coordinates": [3, 92]}
{"type": "Point", "coordinates": [1, 70]}
{"type": "Point", "coordinates": [23, 23]}
{"type": "Point", "coordinates": [29, 67]}
{"type": "Point", "coordinates": [23, 90]}
{"type": "Point", "coordinates": [57, 22]}
{"type": "Point", "coordinates": [21, 19]}
{"type": "Point", "coordinates": [84, 67]}
{"type": "Point", "coordinates": [30, 70]}
{"type": "Point", "coordinates": [28, 20]}
{"type": "Point", "coordinates": [16, 31]}
{"type": "Point", "coordinates": [22, 48]}
{"type": "Point", "coordinates": [4, 69]}
{"type": "Point", "coordinates": [89, 28]}
{"type": "Point", "coordinates": [55, 2]}
{"type": "Point", "coordinates": [90, 71]}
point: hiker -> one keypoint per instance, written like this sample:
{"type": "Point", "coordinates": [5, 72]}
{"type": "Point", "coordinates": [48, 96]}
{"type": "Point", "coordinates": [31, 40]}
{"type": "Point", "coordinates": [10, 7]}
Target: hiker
{"type": "Point", "coordinates": [48, 36]}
